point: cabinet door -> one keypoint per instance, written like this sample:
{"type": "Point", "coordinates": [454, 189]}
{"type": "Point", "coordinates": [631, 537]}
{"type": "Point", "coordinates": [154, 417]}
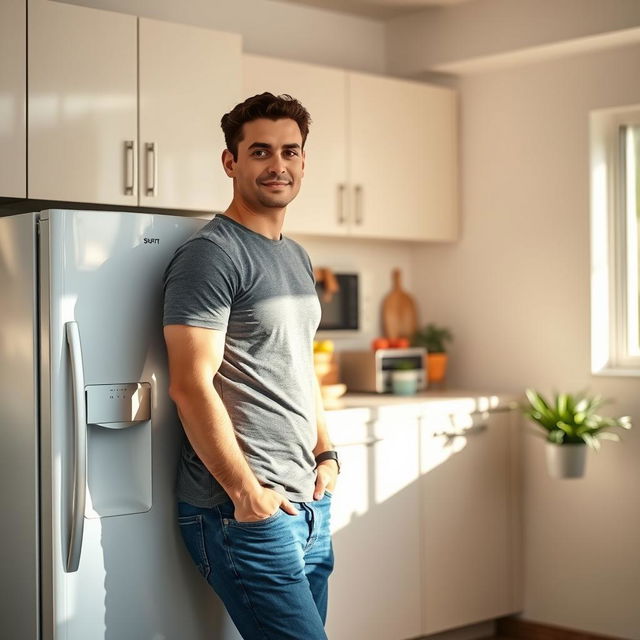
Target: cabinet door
{"type": "Point", "coordinates": [321, 207]}
{"type": "Point", "coordinates": [13, 99]}
{"type": "Point", "coordinates": [439, 220]}
{"type": "Point", "coordinates": [82, 103]}
{"type": "Point", "coordinates": [189, 78]}
{"type": "Point", "coordinates": [402, 159]}
{"type": "Point", "coordinates": [468, 540]}
{"type": "Point", "coordinates": [374, 592]}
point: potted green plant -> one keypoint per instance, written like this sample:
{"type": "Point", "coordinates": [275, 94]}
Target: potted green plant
{"type": "Point", "coordinates": [434, 338]}
{"type": "Point", "coordinates": [404, 378]}
{"type": "Point", "coordinates": [571, 426]}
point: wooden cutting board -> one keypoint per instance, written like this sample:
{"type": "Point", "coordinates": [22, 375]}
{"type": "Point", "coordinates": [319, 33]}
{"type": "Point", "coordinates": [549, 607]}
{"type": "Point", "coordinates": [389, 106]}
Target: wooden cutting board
{"type": "Point", "coordinates": [399, 312]}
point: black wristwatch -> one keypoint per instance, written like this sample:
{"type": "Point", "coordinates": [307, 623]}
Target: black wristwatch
{"type": "Point", "coordinates": [328, 455]}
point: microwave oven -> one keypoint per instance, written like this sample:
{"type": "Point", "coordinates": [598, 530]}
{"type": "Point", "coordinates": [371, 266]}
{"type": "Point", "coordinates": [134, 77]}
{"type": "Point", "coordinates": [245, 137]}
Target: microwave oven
{"type": "Point", "coordinates": [340, 303]}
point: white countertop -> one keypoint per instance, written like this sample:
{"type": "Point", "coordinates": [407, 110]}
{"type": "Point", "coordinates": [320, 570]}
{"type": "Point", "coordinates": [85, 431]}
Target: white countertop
{"type": "Point", "coordinates": [450, 401]}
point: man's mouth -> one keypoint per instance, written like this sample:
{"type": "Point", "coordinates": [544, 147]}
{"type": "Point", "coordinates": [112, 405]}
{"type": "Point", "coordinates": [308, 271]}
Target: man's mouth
{"type": "Point", "coordinates": [275, 184]}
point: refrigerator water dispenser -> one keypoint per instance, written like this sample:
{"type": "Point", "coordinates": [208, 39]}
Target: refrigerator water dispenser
{"type": "Point", "coordinates": [118, 449]}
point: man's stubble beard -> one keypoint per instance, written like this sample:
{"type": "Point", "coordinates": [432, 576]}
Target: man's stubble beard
{"type": "Point", "coordinates": [275, 201]}
{"type": "Point", "coordinates": [273, 204]}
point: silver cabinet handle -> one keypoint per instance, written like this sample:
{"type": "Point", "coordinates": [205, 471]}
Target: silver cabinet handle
{"type": "Point", "coordinates": [130, 167]}
{"type": "Point", "coordinates": [78, 493]}
{"type": "Point", "coordinates": [358, 204]}
{"type": "Point", "coordinates": [342, 192]}
{"type": "Point", "coordinates": [151, 149]}
{"type": "Point", "coordinates": [369, 442]}
{"type": "Point", "coordinates": [479, 428]}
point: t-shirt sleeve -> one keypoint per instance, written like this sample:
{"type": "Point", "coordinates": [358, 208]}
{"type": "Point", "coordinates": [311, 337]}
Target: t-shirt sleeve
{"type": "Point", "coordinates": [200, 284]}
{"type": "Point", "coordinates": [306, 260]}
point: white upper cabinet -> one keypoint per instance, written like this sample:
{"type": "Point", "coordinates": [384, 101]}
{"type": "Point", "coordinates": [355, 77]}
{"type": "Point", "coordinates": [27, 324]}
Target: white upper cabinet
{"type": "Point", "coordinates": [13, 99]}
{"type": "Point", "coordinates": [381, 156]}
{"type": "Point", "coordinates": [402, 141]}
{"type": "Point", "coordinates": [189, 77]}
{"type": "Point", "coordinates": [89, 92]}
{"type": "Point", "coordinates": [82, 103]}
{"type": "Point", "coordinates": [321, 206]}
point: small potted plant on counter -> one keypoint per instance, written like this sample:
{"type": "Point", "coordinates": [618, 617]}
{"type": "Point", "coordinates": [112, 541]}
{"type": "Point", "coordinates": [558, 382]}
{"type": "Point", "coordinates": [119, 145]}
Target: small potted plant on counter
{"type": "Point", "coordinates": [433, 338]}
{"type": "Point", "coordinates": [571, 425]}
{"type": "Point", "coordinates": [404, 378]}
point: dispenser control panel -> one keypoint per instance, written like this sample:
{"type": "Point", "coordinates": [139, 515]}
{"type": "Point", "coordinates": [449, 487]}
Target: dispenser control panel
{"type": "Point", "coordinates": [118, 405]}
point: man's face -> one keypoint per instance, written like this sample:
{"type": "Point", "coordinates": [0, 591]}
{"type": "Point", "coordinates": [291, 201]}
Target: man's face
{"type": "Point", "coordinates": [270, 164]}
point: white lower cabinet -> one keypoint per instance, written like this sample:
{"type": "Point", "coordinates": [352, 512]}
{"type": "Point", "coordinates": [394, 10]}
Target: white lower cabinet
{"type": "Point", "coordinates": [469, 542]}
{"type": "Point", "coordinates": [375, 590]}
{"type": "Point", "coordinates": [425, 522]}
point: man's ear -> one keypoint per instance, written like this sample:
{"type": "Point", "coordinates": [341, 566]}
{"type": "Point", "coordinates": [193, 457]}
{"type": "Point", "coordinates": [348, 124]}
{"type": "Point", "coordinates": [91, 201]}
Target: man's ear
{"type": "Point", "coordinates": [228, 163]}
{"type": "Point", "coordinates": [304, 157]}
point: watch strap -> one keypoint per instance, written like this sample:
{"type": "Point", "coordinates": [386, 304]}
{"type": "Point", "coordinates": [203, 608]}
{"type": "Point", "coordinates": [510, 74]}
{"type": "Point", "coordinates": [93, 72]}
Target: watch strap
{"type": "Point", "coordinates": [328, 455]}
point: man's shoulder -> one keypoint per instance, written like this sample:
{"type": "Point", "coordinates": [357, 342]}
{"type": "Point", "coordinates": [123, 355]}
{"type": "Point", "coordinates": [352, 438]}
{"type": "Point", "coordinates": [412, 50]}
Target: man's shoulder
{"type": "Point", "coordinates": [297, 249]}
{"type": "Point", "coordinates": [215, 231]}
{"type": "Point", "coordinates": [213, 239]}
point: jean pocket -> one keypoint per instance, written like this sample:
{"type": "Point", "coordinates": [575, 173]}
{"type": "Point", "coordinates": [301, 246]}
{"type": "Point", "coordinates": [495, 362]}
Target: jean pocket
{"type": "Point", "coordinates": [256, 524]}
{"type": "Point", "coordinates": [192, 532]}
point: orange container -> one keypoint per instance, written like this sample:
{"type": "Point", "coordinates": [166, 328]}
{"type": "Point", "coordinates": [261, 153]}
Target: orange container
{"type": "Point", "coordinates": [436, 366]}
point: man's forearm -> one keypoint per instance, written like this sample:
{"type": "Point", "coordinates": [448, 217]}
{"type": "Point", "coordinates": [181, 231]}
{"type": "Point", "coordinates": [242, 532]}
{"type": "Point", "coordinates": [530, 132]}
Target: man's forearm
{"type": "Point", "coordinates": [210, 431]}
{"type": "Point", "coordinates": [323, 443]}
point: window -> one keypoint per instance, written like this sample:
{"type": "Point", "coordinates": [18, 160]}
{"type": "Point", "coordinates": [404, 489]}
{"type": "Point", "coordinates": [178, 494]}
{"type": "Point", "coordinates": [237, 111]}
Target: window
{"type": "Point", "coordinates": [615, 241]}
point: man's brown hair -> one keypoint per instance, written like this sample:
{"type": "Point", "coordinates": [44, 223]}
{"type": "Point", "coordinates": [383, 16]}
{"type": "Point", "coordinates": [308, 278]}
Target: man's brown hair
{"type": "Point", "coordinates": [264, 105]}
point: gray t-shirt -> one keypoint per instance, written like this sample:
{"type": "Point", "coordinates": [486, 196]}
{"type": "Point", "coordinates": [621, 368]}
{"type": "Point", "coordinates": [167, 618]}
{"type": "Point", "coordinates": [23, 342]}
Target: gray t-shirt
{"type": "Point", "coordinates": [261, 292]}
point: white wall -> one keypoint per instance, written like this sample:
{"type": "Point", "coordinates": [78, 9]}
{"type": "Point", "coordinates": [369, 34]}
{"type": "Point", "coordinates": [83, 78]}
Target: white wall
{"type": "Point", "coordinates": [271, 28]}
{"type": "Point", "coordinates": [516, 291]}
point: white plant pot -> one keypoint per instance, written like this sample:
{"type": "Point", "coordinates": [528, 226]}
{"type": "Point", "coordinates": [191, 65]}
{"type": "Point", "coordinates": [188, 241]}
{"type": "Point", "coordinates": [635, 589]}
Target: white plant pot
{"type": "Point", "coordinates": [404, 383]}
{"type": "Point", "coordinates": [566, 460]}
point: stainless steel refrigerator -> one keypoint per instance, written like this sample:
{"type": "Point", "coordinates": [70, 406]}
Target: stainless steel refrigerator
{"type": "Point", "coordinates": [89, 545]}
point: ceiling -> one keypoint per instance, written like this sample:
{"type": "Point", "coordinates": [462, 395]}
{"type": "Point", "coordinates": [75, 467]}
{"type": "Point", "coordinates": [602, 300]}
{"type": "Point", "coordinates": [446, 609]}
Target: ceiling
{"type": "Point", "coordinates": [378, 9]}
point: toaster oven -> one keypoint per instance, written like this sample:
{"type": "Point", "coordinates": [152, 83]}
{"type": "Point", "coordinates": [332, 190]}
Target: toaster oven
{"type": "Point", "coordinates": [371, 370]}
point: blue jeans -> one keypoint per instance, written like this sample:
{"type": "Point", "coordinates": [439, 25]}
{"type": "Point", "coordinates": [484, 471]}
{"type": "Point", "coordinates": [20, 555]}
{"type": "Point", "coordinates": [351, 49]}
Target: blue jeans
{"type": "Point", "coordinates": [271, 574]}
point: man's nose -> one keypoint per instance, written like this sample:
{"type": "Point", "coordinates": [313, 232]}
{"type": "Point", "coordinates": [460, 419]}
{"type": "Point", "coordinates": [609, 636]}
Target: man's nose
{"type": "Point", "coordinates": [277, 165]}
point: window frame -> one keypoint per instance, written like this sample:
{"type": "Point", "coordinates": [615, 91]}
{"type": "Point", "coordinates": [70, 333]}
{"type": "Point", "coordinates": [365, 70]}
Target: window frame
{"type": "Point", "coordinates": [612, 246]}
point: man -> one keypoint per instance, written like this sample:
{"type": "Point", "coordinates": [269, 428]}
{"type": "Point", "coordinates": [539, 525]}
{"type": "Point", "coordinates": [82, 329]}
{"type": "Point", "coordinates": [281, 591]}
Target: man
{"type": "Point", "coordinates": [240, 316]}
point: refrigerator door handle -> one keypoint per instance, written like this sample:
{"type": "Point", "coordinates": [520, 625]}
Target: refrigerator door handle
{"type": "Point", "coordinates": [79, 487]}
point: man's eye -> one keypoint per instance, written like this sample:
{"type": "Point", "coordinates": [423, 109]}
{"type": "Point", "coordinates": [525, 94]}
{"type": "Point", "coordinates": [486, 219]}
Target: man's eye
{"type": "Point", "coordinates": [259, 153]}
{"type": "Point", "coordinates": [291, 153]}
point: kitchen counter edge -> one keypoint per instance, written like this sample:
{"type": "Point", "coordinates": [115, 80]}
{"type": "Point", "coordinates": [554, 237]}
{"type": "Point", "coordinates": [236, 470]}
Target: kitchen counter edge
{"type": "Point", "coordinates": [448, 401]}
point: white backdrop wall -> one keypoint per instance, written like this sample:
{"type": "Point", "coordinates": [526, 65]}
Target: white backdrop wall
{"type": "Point", "coordinates": [516, 293]}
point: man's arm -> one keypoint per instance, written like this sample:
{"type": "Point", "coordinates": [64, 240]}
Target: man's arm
{"type": "Point", "coordinates": [195, 355]}
{"type": "Point", "coordinates": [327, 472]}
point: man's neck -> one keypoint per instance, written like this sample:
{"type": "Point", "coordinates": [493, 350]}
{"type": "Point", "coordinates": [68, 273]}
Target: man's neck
{"type": "Point", "coordinates": [267, 223]}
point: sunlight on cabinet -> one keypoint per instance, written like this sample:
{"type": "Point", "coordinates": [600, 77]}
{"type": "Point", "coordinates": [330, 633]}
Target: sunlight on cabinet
{"type": "Point", "coordinates": [396, 461]}
{"type": "Point", "coordinates": [375, 589]}
{"type": "Point", "coordinates": [423, 517]}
